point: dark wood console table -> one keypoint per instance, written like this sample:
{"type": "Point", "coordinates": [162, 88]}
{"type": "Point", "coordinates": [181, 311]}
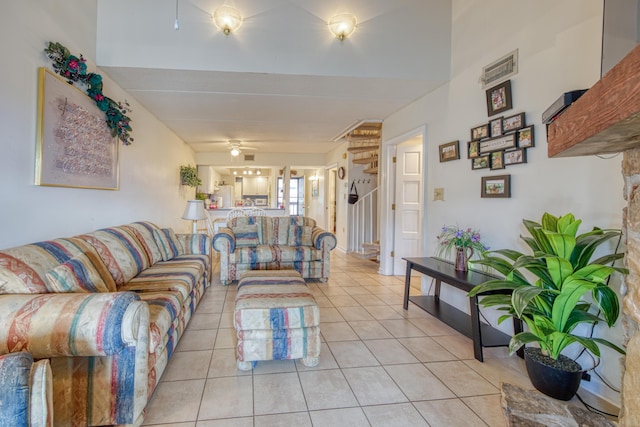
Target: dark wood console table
{"type": "Point", "coordinates": [470, 325]}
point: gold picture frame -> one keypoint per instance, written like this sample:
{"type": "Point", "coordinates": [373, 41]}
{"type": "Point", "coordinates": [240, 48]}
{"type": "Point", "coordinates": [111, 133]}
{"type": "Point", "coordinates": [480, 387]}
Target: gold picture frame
{"type": "Point", "coordinates": [75, 147]}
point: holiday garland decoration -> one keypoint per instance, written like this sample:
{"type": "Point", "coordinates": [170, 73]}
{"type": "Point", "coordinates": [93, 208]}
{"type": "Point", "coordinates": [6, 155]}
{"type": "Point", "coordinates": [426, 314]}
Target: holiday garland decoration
{"type": "Point", "coordinates": [74, 69]}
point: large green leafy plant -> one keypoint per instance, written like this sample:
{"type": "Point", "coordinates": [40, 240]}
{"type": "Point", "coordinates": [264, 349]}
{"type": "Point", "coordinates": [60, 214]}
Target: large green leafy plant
{"type": "Point", "coordinates": [553, 304]}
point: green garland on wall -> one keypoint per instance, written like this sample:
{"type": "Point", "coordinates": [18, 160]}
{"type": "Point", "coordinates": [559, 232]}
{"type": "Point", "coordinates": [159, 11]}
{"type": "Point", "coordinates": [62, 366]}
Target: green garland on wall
{"type": "Point", "coordinates": [74, 69]}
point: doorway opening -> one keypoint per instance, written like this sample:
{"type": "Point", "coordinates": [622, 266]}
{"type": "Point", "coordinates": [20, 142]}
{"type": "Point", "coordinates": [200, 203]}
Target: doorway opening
{"type": "Point", "coordinates": [296, 195]}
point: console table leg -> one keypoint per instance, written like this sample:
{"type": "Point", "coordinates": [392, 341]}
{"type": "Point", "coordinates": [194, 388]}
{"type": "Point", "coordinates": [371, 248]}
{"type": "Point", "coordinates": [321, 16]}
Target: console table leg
{"type": "Point", "coordinates": [407, 284]}
{"type": "Point", "coordinates": [476, 333]}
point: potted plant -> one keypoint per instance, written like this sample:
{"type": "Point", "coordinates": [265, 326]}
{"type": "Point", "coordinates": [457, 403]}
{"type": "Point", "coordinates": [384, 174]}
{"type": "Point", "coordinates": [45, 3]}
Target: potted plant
{"type": "Point", "coordinates": [189, 176]}
{"type": "Point", "coordinates": [552, 304]}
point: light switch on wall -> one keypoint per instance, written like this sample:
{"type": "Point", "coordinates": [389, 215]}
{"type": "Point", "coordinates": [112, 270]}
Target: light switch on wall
{"type": "Point", "coordinates": [438, 194]}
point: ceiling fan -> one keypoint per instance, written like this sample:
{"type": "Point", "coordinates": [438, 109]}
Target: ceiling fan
{"type": "Point", "coordinates": [235, 147]}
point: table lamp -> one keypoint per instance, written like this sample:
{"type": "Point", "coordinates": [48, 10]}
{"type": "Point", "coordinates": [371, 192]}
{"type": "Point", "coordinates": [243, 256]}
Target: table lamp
{"type": "Point", "coordinates": [194, 211]}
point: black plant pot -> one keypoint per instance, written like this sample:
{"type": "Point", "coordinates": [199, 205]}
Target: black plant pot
{"type": "Point", "coordinates": [559, 379]}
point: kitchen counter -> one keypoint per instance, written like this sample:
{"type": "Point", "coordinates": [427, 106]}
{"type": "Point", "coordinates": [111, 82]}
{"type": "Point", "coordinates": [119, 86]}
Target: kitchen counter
{"type": "Point", "coordinates": [222, 213]}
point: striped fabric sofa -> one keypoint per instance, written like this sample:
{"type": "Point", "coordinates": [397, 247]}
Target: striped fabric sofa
{"type": "Point", "coordinates": [107, 308]}
{"type": "Point", "coordinates": [273, 243]}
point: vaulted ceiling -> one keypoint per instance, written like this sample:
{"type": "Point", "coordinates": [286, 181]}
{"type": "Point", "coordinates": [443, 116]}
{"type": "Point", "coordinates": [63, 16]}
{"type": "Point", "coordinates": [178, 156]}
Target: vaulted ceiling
{"type": "Point", "coordinates": [282, 83]}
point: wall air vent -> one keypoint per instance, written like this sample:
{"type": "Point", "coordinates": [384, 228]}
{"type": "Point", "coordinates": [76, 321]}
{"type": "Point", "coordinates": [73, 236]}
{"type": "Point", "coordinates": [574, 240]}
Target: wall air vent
{"type": "Point", "coordinates": [249, 157]}
{"type": "Point", "coordinates": [500, 70]}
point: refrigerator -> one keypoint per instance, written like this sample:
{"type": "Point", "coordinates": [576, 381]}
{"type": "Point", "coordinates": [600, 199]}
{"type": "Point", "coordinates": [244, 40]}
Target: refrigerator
{"type": "Point", "coordinates": [224, 196]}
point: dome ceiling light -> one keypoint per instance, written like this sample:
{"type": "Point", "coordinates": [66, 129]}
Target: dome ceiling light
{"type": "Point", "coordinates": [227, 19]}
{"type": "Point", "coordinates": [342, 25]}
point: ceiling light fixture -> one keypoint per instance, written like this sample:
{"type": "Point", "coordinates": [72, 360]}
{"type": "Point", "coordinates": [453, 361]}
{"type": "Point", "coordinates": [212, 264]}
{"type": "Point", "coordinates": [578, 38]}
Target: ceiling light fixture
{"type": "Point", "coordinates": [258, 172]}
{"type": "Point", "coordinates": [342, 25]}
{"type": "Point", "coordinates": [234, 144]}
{"type": "Point", "coordinates": [227, 19]}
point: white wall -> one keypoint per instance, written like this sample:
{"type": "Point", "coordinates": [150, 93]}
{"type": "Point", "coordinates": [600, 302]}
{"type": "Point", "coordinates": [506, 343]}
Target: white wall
{"type": "Point", "coordinates": [559, 50]}
{"type": "Point", "coordinates": [338, 158]}
{"type": "Point", "coordinates": [149, 168]}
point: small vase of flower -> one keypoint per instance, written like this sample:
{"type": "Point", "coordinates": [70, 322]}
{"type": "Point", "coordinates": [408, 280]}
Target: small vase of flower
{"type": "Point", "coordinates": [466, 242]}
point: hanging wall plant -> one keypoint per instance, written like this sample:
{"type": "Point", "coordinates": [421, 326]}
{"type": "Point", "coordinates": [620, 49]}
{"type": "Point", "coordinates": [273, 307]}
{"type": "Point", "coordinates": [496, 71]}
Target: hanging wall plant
{"type": "Point", "coordinates": [189, 176]}
{"type": "Point", "coordinates": [74, 69]}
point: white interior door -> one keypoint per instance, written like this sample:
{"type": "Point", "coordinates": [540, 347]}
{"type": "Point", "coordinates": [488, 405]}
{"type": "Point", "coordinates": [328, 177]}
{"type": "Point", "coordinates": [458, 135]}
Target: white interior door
{"type": "Point", "coordinates": [408, 201]}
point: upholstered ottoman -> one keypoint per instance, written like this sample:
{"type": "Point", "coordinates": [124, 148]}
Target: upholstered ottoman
{"type": "Point", "coordinates": [276, 318]}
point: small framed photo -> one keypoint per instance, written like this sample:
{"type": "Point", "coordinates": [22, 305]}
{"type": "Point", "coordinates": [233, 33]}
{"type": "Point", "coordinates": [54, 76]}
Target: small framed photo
{"type": "Point", "coordinates": [499, 98]}
{"type": "Point", "coordinates": [480, 132]}
{"type": "Point", "coordinates": [504, 142]}
{"type": "Point", "coordinates": [472, 149]}
{"type": "Point", "coordinates": [512, 123]}
{"type": "Point", "coordinates": [497, 160]}
{"type": "Point", "coordinates": [514, 157]}
{"type": "Point", "coordinates": [449, 151]}
{"type": "Point", "coordinates": [496, 127]}
{"type": "Point", "coordinates": [481, 162]}
{"type": "Point", "coordinates": [525, 137]}
{"type": "Point", "coordinates": [496, 186]}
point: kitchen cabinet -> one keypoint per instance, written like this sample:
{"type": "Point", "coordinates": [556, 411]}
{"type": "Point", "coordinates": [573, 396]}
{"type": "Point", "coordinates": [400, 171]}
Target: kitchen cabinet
{"type": "Point", "coordinates": [255, 186]}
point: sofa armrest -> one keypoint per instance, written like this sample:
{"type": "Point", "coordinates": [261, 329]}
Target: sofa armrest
{"type": "Point", "coordinates": [195, 244]}
{"type": "Point", "coordinates": [225, 240]}
{"type": "Point", "coordinates": [323, 239]}
{"type": "Point", "coordinates": [71, 324]}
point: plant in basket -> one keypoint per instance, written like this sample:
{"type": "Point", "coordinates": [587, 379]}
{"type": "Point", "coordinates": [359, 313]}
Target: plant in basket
{"type": "Point", "coordinates": [552, 303]}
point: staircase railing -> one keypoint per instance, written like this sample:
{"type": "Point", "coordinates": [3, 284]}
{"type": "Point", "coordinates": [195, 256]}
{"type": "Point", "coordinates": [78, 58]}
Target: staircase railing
{"type": "Point", "coordinates": [363, 221]}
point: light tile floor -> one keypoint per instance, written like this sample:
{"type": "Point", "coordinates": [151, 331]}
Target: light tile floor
{"type": "Point", "coordinates": [379, 366]}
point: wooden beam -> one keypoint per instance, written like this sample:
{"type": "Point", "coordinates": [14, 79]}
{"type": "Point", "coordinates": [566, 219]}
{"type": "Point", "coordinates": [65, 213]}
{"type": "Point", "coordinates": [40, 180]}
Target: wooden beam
{"type": "Point", "coordinates": [606, 119]}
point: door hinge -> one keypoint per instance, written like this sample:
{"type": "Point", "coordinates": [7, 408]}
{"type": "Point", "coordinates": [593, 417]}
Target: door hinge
{"type": "Point", "coordinates": [393, 206]}
{"type": "Point", "coordinates": [394, 159]}
{"type": "Point", "coordinates": [393, 254]}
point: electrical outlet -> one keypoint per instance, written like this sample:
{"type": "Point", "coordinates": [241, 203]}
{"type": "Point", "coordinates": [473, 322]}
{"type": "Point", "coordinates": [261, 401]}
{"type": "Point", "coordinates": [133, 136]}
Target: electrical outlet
{"type": "Point", "coordinates": [438, 194]}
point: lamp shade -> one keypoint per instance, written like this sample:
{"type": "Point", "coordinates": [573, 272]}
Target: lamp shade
{"type": "Point", "coordinates": [194, 210]}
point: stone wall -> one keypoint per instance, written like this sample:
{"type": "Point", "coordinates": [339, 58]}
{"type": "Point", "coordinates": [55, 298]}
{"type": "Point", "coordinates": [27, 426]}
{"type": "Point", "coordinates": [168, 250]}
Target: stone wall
{"type": "Point", "coordinates": [630, 399]}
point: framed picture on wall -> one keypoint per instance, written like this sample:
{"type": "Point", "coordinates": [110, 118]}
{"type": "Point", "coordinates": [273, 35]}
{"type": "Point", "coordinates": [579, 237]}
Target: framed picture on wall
{"type": "Point", "coordinates": [496, 186]}
{"type": "Point", "coordinates": [497, 160]}
{"type": "Point", "coordinates": [525, 137]}
{"type": "Point", "coordinates": [496, 127]}
{"type": "Point", "coordinates": [480, 132]}
{"type": "Point", "coordinates": [449, 151]}
{"type": "Point", "coordinates": [504, 142]}
{"type": "Point", "coordinates": [472, 149]}
{"type": "Point", "coordinates": [481, 162]}
{"type": "Point", "coordinates": [314, 188]}
{"type": "Point", "coordinates": [512, 123]}
{"type": "Point", "coordinates": [499, 98]}
{"type": "Point", "coordinates": [514, 157]}
{"type": "Point", "coordinates": [75, 147]}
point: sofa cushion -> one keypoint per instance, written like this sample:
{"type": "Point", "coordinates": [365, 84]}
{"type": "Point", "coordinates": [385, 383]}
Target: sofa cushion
{"type": "Point", "coordinates": [195, 244]}
{"type": "Point", "coordinates": [254, 254]}
{"type": "Point", "coordinates": [145, 230]}
{"type": "Point", "coordinates": [247, 235]}
{"type": "Point", "coordinates": [23, 268]}
{"type": "Point", "coordinates": [15, 377]}
{"type": "Point", "coordinates": [300, 235]}
{"type": "Point", "coordinates": [180, 276]}
{"type": "Point", "coordinates": [170, 246]}
{"type": "Point", "coordinates": [83, 273]}
{"type": "Point", "coordinates": [298, 253]}
{"type": "Point", "coordinates": [121, 251]}
{"type": "Point", "coordinates": [41, 399]}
